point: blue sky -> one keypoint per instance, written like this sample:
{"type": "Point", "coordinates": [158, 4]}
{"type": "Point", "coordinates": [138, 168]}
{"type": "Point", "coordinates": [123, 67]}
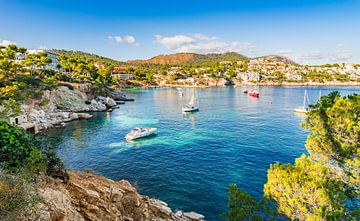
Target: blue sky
{"type": "Point", "coordinates": [308, 31]}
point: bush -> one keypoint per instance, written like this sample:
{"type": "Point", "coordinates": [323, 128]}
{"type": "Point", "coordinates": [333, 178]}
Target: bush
{"type": "Point", "coordinates": [17, 197]}
{"type": "Point", "coordinates": [14, 146]}
{"type": "Point", "coordinates": [19, 153]}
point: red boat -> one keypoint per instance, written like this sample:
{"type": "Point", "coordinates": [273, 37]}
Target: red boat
{"type": "Point", "coordinates": [254, 93]}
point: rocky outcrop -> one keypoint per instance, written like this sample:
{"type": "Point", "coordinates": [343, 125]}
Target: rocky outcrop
{"type": "Point", "coordinates": [65, 99]}
{"type": "Point", "coordinates": [46, 120]}
{"type": "Point", "coordinates": [63, 104]}
{"type": "Point", "coordinates": [90, 197]}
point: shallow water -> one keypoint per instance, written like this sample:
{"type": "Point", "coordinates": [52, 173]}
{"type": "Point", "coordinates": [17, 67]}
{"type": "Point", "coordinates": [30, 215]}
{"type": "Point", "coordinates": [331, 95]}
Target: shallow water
{"type": "Point", "coordinates": [194, 157]}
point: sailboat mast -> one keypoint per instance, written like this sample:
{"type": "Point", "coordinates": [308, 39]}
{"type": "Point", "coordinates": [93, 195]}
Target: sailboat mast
{"type": "Point", "coordinates": [305, 95]}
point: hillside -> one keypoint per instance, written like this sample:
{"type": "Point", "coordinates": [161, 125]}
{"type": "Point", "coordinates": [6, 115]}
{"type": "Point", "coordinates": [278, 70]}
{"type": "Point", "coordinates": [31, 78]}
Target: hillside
{"type": "Point", "coordinates": [186, 58]}
{"type": "Point", "coordinates": [277, 58]}
{"type": "Point", "coordinates": [89, 56]}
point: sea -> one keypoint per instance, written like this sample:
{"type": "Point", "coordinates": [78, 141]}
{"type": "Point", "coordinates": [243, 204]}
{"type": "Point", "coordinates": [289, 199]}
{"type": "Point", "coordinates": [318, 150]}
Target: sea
{"type": "Point", "coordinates": [194, 157]}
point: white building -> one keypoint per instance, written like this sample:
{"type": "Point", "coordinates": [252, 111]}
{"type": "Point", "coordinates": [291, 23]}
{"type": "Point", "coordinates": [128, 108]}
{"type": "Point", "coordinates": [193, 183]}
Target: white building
{"type": "Point", "coordinates": [123, 76]}
{"type": "Point", "coordinates": [55, 63]}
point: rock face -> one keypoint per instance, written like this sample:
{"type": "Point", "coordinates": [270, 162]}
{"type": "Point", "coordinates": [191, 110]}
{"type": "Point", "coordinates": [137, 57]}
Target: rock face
{"type": "Point", "coordinates": [89, 197]}
{"type": "Point", "coordinates": [63, 105]}
{"type": "Point", "coordinates": [66, 99]}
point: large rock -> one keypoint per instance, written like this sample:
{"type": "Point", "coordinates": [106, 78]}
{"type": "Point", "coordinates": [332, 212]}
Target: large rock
{"type": "Point", "coordinates": [96, 106]}
{"type": "Point", "coordinates": [90, 197]}
{"type": "Point", "coordinates": [66, 99]}
{"type": "Point", "coordinates": [109, 102]}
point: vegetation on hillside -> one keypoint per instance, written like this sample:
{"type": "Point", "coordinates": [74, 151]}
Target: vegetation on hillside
{"type": "Point", "coordinates": [89, 57]}
{"type": "Point", "coordinates": [21, 81]}
{"type": "Point", "coordinates": [324, 185]}
{"type": "Point", "coordinates": [27, 79]}
{"type": "Point", "coordinates": [22, 159]}
{"type": "Point", "coordinates": [191, 58]}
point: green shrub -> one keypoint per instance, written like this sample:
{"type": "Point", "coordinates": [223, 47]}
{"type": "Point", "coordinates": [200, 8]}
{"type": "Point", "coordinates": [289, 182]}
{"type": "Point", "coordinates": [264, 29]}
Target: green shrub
{"type": "Point", "coordinates": [14, 146]}
{"type": "Point", "coordinates": [34, 164]}
{"type": "Point", "coordinates": [20, 154]}
{"type": "Point", "coordinates": [17, 197]}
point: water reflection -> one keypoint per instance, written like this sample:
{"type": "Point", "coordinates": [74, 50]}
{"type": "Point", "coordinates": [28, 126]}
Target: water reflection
{"type": "Point", "coordinates": [191, 117]}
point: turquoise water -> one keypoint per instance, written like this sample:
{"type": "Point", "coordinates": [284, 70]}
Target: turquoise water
{"type": "Point", "coordinates": [194, 157]}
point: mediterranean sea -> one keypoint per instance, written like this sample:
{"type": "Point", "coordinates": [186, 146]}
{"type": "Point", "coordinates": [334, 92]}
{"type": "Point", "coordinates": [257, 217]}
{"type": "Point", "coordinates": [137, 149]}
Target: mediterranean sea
{"type": "Point", "coordinates": [194, 157]}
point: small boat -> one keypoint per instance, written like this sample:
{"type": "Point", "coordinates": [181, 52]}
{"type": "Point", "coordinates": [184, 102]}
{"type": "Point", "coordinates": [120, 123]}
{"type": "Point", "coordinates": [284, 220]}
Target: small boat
{"type": "Point", "coordinates": [245, 91]}
{"type": "Point", "coordinates": [191, 106]}
{"type": "Point", "coordinates": [181, 93]}
{"type": "Point", "coordinates": [254, 93]}
{"type": "Point", "coordinates": [303, 109]}
{"type": "Point", "coordinates": [140, 133]}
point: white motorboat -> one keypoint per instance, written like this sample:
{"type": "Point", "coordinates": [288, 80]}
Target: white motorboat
{"type": "Point", "coordinates": [140, 133]}
{"type": "Point", "coordinates": [304, 108]}
{"type": "Point", "coordinates": [191, 106]}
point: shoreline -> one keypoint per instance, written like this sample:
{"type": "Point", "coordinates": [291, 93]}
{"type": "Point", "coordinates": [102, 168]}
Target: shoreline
{"type": "Point", "coordinates": [287, 84]}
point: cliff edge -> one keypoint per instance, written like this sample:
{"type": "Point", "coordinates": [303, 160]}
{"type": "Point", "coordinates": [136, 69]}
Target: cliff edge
{"type": "Point", "coordinates": [91, 197]}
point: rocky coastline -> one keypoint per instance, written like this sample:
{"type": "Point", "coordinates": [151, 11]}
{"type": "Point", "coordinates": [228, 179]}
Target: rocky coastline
{"type": "Point", "coordinates": [91, 197]}
{"type": "Point", "coordinates": [62, 105]}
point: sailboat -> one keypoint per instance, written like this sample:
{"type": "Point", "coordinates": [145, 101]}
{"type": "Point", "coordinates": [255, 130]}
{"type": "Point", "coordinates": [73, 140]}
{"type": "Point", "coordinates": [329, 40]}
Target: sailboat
{"type": "Point", "coordinates": [191, 106]}
{"type": "Point", "coordinates": [303, 109]}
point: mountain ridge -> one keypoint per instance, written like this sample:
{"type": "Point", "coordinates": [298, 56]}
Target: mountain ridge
{"type": "Point", "coordinates": [188, 58]}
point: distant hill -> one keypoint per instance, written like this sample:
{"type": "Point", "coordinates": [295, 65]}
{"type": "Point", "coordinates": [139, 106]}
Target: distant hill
{"type": "Point", "coordinates": [277, 58]}
{"type": "Point", "coordinates": [89, 56]}
{"type": "Point", "coordinates": [186, 58]}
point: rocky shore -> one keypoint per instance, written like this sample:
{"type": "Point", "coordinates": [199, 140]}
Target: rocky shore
{"type": "Point", "coordinates": [90, 197]}
{"type": "Point", "coordinates": [62, 105]}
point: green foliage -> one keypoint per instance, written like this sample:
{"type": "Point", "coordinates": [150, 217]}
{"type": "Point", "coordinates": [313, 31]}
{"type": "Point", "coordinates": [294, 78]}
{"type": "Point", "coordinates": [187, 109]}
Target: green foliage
{"type": "Point", "coordinates": [325, 185]}
{"type": "Point", "coordinates": [15, 146]}
{"type": "Point", "coordinates": [17, 197]}
{"type": "Point", "coordinates": [34, 164]}
{"type": "Point", "coordinates": [335, 127]}
{"type": "Point", "coordinates": [37, 62]}
{"type": "Point", "coordinates": [305, 191]}
{"type": "Point", "coordinates": [28, 156]}
{"type": "Point", "coordinates": [241, 206]}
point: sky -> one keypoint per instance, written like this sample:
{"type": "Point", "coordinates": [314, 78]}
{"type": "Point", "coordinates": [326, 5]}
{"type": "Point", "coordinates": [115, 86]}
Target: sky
{"type": "Point", "coordinates": [307, 31]}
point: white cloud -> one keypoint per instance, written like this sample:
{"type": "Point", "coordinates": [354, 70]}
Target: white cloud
{"type": "Point", "coordinates": [124, 39]}
{"type": "Point", "coordinates": [342, 55]}
{"type": "Point", "coordinates": [129, 39]}
{"type": "Point", "coordinates": [340, 45]}
{"type": "Point", "coordinates": [200, 43]}
{"type": "Point", "coordinates": [5, 43]}
{"type": "Point", "coordinates": [285, 52]}
{"type": "Point", "coordinates": [312, 55]}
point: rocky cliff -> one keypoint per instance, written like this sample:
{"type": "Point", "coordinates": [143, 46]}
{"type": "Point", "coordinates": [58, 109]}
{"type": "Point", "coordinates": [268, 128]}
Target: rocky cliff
{"type": "Point", "coordinates": [62, 105]}
{"type": "Point", "coordinates": [90, 197]}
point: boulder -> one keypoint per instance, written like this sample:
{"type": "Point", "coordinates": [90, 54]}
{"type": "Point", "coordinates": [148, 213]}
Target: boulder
{"type": "Point", "coordinates": [96, 106]}
{"type": "Point", "coordinates": [109, 102]}
{"type": "Point", "coordinates": [84, 115]}
{"type": "Point", "coordinates": [66, 99]}
{"type": "Point", "coordinates": [194, 216]}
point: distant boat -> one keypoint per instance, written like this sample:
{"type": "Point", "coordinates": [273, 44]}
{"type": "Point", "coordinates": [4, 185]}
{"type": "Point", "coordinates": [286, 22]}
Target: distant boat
{"type": "Point", "coordinates": [140, 133]}
{"type": "Point", "coordinates": [180, 92]}
{"type": "Point", "coordinates": [304, 108]}
{"type": "Point", "coordinates": [245, 91]}
{"type": "Point", "coordinates": [254, 93]}
{"type": "Point", "coordinates": [191, 106]}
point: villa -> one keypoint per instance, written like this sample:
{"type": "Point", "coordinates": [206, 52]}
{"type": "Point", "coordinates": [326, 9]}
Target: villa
{"type": "Point", "coordinates": [55, 63]}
